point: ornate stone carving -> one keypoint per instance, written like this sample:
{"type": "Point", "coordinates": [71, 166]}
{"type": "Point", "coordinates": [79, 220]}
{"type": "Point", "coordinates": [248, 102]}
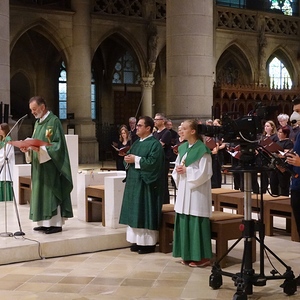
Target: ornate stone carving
{"type": "Point", "coordinates": [147, 82]}
{"type": "Point", "coordinates": [152, 47]}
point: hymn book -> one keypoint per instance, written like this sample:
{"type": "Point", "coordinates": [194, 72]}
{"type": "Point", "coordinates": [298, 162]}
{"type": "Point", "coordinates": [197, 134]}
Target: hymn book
{"type": "Point", "coordinates": [121, 150]}
{"type": "Point", "coordinates": [29, 143]}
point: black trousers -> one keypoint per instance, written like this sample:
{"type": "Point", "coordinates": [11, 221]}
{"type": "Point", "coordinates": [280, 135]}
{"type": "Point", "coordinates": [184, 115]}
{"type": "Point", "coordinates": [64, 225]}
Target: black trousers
{"type": "Point", "coordinates": [166, 196]}
{"type": "Point", "coordinates": [280, 183]}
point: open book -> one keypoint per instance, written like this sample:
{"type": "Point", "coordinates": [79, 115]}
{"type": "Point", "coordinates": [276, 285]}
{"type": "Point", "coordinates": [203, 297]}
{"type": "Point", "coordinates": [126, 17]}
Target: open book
{"type": "Point", "coordinates": [121, 150]}
{"type": "Point", "coordinates": [270, 145]}
{"type": "Point", "coordinates": [29, 143]}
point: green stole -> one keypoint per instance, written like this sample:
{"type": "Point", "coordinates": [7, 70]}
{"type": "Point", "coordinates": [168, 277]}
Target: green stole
{"type": "Point", "coordinates": [195, 152]}
{"type": "Point", "coordinates": [4, 141]}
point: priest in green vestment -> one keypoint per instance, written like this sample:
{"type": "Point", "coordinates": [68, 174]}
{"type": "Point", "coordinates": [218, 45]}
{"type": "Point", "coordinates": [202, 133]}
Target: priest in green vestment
{"type": "Point", "coordinates": [143, 194]}
{"type": "Point", "coordinates": [51, 178]}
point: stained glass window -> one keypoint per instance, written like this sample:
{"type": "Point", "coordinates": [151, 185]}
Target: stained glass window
{"type": "Point", "coordinates": [62, 90]}
{"type": "Point", "coordinates": [284, 5]}
{"type": "Point", "coordinates": [93, 97]}
{"type": "Point", "coordinates": [279, 75]}
{"type": "Point", "coordinates": [126, 70]}
{"type": "Point", "coordinates": [232, 3]}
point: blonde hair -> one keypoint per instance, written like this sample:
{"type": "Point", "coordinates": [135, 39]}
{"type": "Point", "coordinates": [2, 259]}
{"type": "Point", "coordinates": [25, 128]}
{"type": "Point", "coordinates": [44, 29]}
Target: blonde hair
{"type": "Point", "coordinates": [194, 126]}
{"type": "Point", "coordinates": [124, 128]}
{"type": "Point", "coordinates": [274, 130]}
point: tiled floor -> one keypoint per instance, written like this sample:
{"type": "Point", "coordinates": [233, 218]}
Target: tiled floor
{"type": "Point", "coordinates": [121, 274]}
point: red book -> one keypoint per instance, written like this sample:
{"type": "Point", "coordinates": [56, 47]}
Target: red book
{"type": "Point", "coordinates": [270, 145]}
{"type": "Point", "coordinates": [121, 150]}
{"type": "Point", "coordinates": [29, 143]}
{"type": "Point", "coordinates": [210, 143]}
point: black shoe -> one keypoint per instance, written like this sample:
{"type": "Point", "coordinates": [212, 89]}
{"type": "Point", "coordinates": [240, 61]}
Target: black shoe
{"type": "Point", "coordinates": [134, 248]}
{"type": "Point", "coordinates": [40, 228]}
{"type": "Point", "coordinates": [53, 229]}
{"type": "Point", "coordinates": [146, 249]}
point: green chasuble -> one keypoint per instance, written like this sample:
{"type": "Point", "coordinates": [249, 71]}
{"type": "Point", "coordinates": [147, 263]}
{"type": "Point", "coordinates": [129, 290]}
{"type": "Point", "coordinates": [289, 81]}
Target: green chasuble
{"type": "Point", "coordinates": [143, 196]}
{"type": "Point", "coordinates": [52, 180]}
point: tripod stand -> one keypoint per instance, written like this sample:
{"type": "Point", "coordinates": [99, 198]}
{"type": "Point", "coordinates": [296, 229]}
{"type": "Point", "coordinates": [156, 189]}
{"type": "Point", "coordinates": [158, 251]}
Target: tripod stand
{"type": "Point", "coordinates": [247, 278]}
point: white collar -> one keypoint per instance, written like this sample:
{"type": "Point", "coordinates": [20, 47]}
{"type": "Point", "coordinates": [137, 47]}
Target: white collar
{"type": "Point", "coordinates": [145, 137]}
{"type": "Point", "coordinates": [44, 116]}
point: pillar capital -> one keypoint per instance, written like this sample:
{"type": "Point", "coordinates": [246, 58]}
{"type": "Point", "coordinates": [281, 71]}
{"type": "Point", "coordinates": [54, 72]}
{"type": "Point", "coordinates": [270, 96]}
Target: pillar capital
{"type": "Point", "coordinates": [147, 82]}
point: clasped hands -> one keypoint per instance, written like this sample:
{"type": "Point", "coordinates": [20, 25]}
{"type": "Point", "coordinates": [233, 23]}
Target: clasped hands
{"type": "Point", "coordinates": [130, 158]}
{"type": "Point", "coordinates": [181, 169]}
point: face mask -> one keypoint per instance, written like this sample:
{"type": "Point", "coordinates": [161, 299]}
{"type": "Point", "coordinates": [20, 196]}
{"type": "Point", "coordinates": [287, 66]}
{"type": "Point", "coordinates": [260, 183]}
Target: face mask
{"type": "Point", "coordinates": [295, 116]}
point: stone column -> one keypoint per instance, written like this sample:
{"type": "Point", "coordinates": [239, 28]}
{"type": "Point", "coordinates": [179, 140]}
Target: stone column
{"type": "Point", "coordinates": [147, 91]}
{"type": "Point", "coordinates": [5, 53]}
{"type": "Point", "coordinates": [190, 58]}
{"type": "Point", "coordinates": [79, 82]}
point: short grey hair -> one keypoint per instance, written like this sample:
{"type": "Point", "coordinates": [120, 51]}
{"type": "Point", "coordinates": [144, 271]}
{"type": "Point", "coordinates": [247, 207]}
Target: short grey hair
{"type": "Point", "coordinates": [282, 117]}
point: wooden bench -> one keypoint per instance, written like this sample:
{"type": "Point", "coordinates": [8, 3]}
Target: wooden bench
{"type": "Point", "coordinates": [95, 204]}
{"type": "Point", "coordinates": [220, 191]}
{"type": "Point", "coordinates": [224, 227]}
{"type": "Point", "coordinates": [24, 188]}
{"type": "Point", "coordinates": [235, 201]}
{"type": "Point", "coordinates": [282, 209]}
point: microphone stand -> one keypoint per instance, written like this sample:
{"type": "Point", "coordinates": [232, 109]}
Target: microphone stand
{"type": "Point", "coordinates": [5, 166]}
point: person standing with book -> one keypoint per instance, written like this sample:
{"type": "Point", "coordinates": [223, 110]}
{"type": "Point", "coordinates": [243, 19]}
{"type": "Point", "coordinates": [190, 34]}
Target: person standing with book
{"type": "Point", "coordinates": [51, 179]}
{"type": "Point", "coordinates": [124, 142]}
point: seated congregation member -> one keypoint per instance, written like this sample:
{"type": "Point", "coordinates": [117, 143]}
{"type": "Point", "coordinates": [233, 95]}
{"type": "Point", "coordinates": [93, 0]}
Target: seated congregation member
{"type": "Point", "coordinates": [143, 194]}
{"type": "Point", "coordinates": [193, 207]}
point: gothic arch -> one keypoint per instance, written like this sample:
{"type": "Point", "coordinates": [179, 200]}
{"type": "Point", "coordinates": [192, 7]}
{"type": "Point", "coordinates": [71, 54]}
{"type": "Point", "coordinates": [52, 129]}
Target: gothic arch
{"type": "Point", "coordinates": [233, 67]}
{"type": "Point", "coordinates": [126, 40]}
{"type": "Point", "coordinates": [282, 55]}
{"type": "Point", "coordinates": [20, 87]}
{"type": "Point", "coordinates": [37, 51]}
{"type": "Point", "coordinates": [47, 30]}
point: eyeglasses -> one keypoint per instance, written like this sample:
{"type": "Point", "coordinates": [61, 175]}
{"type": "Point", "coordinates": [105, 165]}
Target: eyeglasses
{"type": "Point", "coordinates": [157, 119]}
{"type": "Point", "coordinates": [139, 125]}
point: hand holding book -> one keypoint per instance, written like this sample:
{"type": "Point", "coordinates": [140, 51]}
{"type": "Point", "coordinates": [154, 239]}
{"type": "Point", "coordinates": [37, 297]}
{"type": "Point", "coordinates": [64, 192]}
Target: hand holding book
{"type": "Point", "coordinates": [29, 143]}
{"type": "Point", "coordinates": [122, 151]}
